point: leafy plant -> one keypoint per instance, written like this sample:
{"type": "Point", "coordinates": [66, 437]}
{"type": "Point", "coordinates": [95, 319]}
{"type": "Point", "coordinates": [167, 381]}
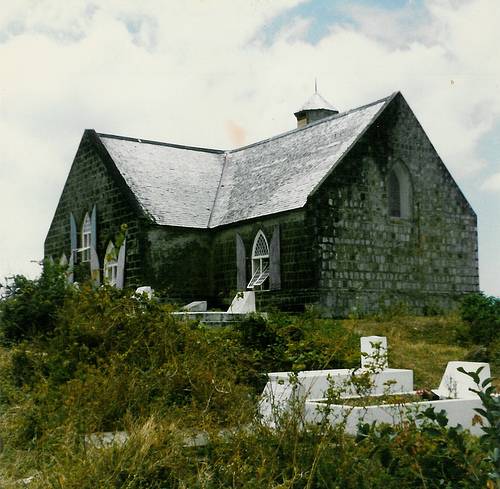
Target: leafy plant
{"type": "Point", "coordinates": [482, 313]}
{"type": "Point", "coordinates": [491, 412]}
{"type": "Point", "coordinates": [30, 307]}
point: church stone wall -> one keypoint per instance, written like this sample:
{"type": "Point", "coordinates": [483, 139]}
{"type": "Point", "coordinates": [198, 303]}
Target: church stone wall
{"type": "Point", "coordinates": [90, 183]}
{"type": "Point", "coordinates": [298, 268]}
{"type": "Point", "coordinates": [368, 259]}
{"type": "Point", "coordinates": [177, 263]}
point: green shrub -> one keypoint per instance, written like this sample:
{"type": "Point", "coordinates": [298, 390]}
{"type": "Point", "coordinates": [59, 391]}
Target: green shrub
{"type": "Point", "coordinates": [30, 306]}
{"type": "Point", "coordinates": [293, 343]}
{"type": "Point", "coordinates": [482, 313]}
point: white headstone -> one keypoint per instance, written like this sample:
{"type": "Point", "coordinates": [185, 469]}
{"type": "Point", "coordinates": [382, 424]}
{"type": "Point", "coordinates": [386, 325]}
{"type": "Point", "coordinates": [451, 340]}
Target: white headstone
{"type": "Point", "coordinates": [374, 352]}
{"type": "Point", "coordinates": [145, 289]}
{"type": "Point", "coordinates": [243, 302]}
{"type": "Point", "coordinates": [456, 385]}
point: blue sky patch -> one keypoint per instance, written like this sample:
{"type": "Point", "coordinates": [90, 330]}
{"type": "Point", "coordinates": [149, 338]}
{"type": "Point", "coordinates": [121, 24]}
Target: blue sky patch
{"type": "Point", "coordinates": [324, 14]}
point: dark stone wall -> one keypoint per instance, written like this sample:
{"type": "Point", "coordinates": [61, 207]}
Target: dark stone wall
{"type": "Point", "coordinates": [368, 259]}
{"type": "Point", "coordinates": [90, 182]}
{"type": "Point", "coordinates": [177, 263]}
{"type": "Point", "coordinates": [174, 261]}
{"type": "Point", "coordinates": [299, 278]}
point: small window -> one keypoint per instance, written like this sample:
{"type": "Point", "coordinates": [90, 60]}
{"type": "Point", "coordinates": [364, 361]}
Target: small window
{"type": "Point", "coordinates": [399, 192]}
{"type": "Point", "coordinates": [394, 193]}
{"type": "Point", "coordinates": [86, 239]}
{"type": "Point", "coordinates": [260, 261]}
{"type": "Point", "coordinates": [111, 265]}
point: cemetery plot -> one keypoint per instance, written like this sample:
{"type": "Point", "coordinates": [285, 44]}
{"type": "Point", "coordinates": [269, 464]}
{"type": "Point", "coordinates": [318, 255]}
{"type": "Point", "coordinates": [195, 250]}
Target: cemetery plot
{"type": "Point", "coordinates": [373, 393]}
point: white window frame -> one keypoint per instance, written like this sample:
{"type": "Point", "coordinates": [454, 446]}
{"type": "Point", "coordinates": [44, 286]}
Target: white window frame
{"type": "Point", "coordinates": [260, 261]}
{"type": "Point", "coordinates": [111, 265]}
{"type": "Point", "coordinates": [86, 239]}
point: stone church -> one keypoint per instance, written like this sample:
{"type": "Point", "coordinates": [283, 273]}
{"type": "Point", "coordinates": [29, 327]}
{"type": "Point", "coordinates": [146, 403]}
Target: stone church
{"type": "Point", "coordinates": [348, 212]}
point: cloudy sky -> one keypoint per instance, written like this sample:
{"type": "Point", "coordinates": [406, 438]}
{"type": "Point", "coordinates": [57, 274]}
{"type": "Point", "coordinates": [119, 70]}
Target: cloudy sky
{"type": "Point", "coordinates": [221, 73]}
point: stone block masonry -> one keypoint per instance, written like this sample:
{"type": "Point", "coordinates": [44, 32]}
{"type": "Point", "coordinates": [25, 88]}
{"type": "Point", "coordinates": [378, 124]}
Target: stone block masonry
{"type": "Point", "coordinates": [90, 182]}
{"type": "Point", "coordinates": [298, 272]}
{"type": "Point", "coordinates": [369, 259]}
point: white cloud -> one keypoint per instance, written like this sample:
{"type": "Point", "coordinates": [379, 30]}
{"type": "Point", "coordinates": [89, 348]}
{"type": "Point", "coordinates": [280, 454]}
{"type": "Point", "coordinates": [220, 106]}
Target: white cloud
{"type": "Point", "coordinates": [196, 72]}
{"type": "Point", "coordinates": [492, 183]}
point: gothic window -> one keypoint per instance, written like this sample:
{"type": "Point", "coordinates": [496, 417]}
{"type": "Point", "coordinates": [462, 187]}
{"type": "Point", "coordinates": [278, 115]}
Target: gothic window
{"type": "Point", "coordinates": [111, 265]}
{"type": "Point", "coordinates": [399, 192]}
{"type": "Point", "coordinates": [63, 261]}
{"type": "Point", "coordinates": [86, 239]}
{"type": "Point", "coordinates": [260, 261]}
{"type": "Point", "coordinates": [114, 265]}
{"type": "Point", "coordinates": [394, 195]}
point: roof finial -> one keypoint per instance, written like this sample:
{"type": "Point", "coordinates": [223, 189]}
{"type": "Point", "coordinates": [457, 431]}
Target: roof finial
{"type": "Point", "coordinates": [315, 85]}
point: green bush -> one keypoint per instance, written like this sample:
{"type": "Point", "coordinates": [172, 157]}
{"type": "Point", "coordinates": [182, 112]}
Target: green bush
{"type": "Point", "coordinates": [30, 306]}
{"type": "Point", "coordinates": [482, 313]}
{"type": "Point", "coordinates": [292, 343]}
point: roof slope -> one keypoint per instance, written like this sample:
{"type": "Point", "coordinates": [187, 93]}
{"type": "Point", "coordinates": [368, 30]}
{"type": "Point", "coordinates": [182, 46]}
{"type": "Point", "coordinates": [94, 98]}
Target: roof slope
{"type": "Point", "coordinates": [174, 185]}
{"type": "Point", "coordinates": [200, 188]}
{"type": "Point", "coordinates": [279, 174]}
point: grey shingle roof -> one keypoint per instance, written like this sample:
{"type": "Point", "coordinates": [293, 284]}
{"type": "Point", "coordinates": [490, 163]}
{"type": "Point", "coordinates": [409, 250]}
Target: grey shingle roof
{"type": "Point", "coordinates": [174, 185]}
{"type": "Point", "coordinates": [199, 188]}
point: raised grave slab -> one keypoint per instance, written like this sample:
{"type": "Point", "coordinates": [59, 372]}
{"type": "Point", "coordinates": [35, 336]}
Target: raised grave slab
{"type": "Point", "coordinates": [458, 411]}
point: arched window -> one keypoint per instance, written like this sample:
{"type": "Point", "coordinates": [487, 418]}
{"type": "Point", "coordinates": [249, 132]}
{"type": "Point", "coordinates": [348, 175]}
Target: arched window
{"type": "Point", "coordinates": [394, 193]}
{"type": "Point", "coordinates": [111, 265]}
{"type": "Point", "coordinates": [399, 192]}
{"type": "Point", "coordinates": [260, 261]}
{"type": "Point", "coordinates": [86, 238]}
{"type": "Point", "coordinates": [63, 261]}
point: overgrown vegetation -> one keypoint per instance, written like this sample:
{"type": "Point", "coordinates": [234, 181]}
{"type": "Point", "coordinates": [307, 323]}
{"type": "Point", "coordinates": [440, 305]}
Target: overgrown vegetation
{"type": "Point", "coordinates": [83, 361]}
{"type": "Point", "coordinates": [481, 314]}
{"type": "Point", "coordinates": [31, 306]}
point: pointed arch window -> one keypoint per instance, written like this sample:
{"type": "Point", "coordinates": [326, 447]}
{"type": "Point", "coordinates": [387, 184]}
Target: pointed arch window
{"type": "Point", "coordinates": [86, 239]}
{"type": "Point", "coordinates": [114, 265]}
{"type": "Point", "coordinates": [63, 261]}
{"type": "Point", "coordinates": [260, 261]}
{"type": "Point", "coordinates": [399, 192]}
{"type": "Point", "coordinates": [111, 265]}
{"type": "Point", "coordinates": [394, 193]}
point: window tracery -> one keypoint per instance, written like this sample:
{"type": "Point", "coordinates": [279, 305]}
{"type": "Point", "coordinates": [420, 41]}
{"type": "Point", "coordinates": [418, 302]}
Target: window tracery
{"type": "Point", "coordinates": [86, 239]}
{"type": "Point", "coordinates": [111, 265]}
{"type": "Point", "coordinates": [260, 261]}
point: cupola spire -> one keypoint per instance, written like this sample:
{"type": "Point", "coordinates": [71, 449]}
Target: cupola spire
{"type": "Point", "coordinates": [314, 109]}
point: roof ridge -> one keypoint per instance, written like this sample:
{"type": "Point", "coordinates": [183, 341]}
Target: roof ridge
{"type": "Point", "coordinates": [214, 203]}
{"type": "Point", "coordinates": [160, 143]}
{"type": "Point", "coordinates": [272, 138]}
{"type": "Point", "coordinates": [312, 124]}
